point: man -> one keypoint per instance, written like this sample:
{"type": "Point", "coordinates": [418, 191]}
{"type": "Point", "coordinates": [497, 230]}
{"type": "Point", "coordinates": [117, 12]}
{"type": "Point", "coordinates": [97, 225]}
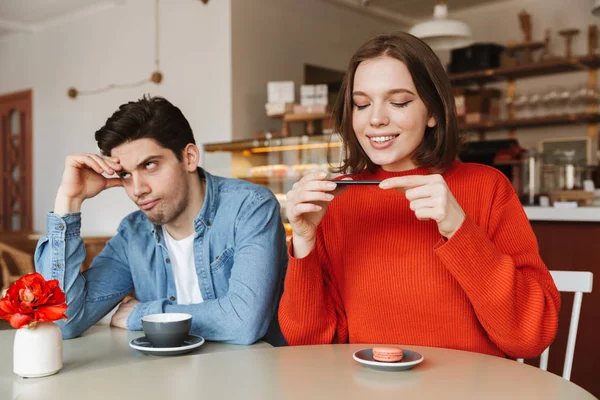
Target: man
{"type": "Point", "coordinates": [200, 244]}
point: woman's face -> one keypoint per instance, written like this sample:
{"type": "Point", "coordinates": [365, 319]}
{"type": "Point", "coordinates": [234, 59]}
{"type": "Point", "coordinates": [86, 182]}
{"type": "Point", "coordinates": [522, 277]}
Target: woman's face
{"type": "Point", "coordinates": [388, 116]}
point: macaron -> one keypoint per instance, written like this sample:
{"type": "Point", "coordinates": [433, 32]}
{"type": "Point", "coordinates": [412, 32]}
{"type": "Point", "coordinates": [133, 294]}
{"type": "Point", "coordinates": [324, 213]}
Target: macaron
{"type": "Point", "coordinates": [387, 353]}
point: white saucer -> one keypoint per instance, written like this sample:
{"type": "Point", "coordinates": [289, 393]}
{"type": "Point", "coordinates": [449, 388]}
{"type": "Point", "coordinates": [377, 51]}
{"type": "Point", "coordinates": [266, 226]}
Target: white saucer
{"type": "Point", "coordinates": [409, 360]}
{"type": "Point", "coordinates": [143, 344]}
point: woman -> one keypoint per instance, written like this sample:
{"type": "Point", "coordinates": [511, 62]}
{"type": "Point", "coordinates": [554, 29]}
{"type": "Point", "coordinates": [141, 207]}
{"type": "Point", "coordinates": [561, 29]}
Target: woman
{"type": "Point", "coordinates": [439, 254]}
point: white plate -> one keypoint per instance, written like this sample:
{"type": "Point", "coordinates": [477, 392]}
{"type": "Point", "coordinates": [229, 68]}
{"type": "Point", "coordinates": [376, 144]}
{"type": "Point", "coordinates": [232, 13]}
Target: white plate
{"type": "Point", "coordinates": [409, 360]}
{"type": "Point", "coordinates": [143, 344]}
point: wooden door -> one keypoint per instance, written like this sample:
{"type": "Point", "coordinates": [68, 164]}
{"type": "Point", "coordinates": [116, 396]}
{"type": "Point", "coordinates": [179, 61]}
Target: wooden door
{"type": "Point", "coordinates": [16, 197]}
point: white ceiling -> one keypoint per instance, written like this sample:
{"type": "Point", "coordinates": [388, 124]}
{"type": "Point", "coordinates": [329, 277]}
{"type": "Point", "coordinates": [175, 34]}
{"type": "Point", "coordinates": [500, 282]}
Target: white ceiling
{"type": "Point", "coordinates": [419, 9]}
{"type": "Point", "coordinates": [32, 15]}
{"type": "Point", "coordinates": [406, 12]}
{"type": "Point", "coordinates": [17, 16]}
{"type": "Point", "coordinates": [40, 11]}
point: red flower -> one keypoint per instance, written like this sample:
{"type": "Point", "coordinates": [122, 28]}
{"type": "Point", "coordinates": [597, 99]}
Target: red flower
{"type": "Point", "coordinates": [32, 299]}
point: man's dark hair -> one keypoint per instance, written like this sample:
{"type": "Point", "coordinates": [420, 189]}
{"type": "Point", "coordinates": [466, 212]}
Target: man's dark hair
{"type": "Point", "coordinates": [148, 118]}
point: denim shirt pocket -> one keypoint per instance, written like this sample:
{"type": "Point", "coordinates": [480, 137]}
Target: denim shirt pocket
{"type": "Point", "coordinates": [220, 269]}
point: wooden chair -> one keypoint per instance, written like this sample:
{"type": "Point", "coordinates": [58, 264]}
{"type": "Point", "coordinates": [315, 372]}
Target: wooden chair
{"type": "Point", "coordinates": [17, 249]}
{"type": "Point", "coordinates": [14, 263]}
{"type": "Point", "coordinates": [93, 247]}
{"type": "Point", "coordinates": [20, 240]}
{"type": "Point", "coordinates": [577, 282]}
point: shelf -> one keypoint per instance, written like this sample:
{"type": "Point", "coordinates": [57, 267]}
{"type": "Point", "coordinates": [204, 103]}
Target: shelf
{"type": "Point", "coordinates": [276, 179]}
{"type": "Point", "coordinates": [542, 68]}
{"type": "Point", "coordinates": [305, 117]}
{"type": "Point", "coordinates": [293, 117]}
{"type": "Point", "coordinates": [508, 162]}
{"type": "Point", "coordinates": [271, 180]}
{"type": "Point", "coordinates": [566, 119]}
{"type": "Point", "coordinates": [526, 46]}
{"type": "Point", "coordinates": [288, 143]}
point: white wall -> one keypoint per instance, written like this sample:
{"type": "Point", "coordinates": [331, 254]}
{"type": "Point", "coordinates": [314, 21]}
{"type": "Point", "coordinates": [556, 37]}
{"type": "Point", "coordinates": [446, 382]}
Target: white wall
{"type": "Point", "coordinates": [117, 46]}
{"type": "Point", "coordinates": [273, 39]}
{"type": "Point", "coordinates": [499, 23]}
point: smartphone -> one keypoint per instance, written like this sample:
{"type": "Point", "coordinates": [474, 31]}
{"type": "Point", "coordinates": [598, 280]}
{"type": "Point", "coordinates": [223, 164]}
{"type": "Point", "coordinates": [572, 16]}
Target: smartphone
{"type": "Point", "coordinates": [350, 182]}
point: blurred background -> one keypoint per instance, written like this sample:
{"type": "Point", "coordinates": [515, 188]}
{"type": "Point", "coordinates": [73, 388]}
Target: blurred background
{"type": "Point", "coordinates": [257, 80]}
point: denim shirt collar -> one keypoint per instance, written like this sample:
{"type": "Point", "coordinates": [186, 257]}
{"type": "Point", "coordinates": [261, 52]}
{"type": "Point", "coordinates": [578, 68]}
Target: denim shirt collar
{"type": "Point", "coordinates": [206, 214]}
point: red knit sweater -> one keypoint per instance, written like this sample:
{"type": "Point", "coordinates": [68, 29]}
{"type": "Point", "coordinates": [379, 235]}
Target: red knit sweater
{"type": "Point", "coordinates": [379, 275]}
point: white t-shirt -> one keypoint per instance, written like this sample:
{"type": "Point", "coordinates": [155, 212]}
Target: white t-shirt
{"type": "Point", "coordinates": [184, 269]}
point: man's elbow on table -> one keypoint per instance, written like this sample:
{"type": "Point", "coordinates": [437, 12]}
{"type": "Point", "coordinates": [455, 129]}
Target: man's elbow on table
{"type": "Point", "coordinates": [69, 331]}
{"type": "Point", "coordinates": [251, 332]}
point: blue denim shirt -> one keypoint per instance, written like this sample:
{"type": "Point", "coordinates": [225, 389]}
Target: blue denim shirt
{"type": "Point", "coordinates": [240, 258]}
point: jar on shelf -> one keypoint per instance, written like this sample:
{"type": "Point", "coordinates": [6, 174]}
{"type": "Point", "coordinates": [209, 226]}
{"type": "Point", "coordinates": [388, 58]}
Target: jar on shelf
{"type": "Point", "coordinates": [529, 182]}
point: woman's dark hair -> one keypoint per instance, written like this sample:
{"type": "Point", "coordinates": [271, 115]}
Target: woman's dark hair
{"type": "Point", "coordinates": [441, 143]}
{"type": "Point", "coordinates": [148, 118]}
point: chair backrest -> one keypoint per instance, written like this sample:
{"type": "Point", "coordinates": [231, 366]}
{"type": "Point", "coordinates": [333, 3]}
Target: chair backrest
{"type": "Point", "coordinates": [577, 282]}
{"type": "Point", "coordinates": [20, 260]}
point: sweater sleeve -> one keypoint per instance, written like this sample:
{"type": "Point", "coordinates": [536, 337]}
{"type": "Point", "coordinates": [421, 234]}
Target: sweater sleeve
{"type": "Point", "coordinates": [504, 277]}
{"type": "Point", "coordinates": [311, 310]}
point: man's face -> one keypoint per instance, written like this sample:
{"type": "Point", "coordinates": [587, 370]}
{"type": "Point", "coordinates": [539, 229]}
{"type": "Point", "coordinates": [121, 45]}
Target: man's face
{"type": "Point", "coordinates": [154, 179]}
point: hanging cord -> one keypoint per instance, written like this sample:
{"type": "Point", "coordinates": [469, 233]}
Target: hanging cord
{"type": "Point", "coordinates": [156, 35]}
{"type": "Point", "coordinates": [156, 76]}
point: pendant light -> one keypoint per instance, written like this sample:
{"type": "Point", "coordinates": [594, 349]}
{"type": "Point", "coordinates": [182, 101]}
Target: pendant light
{"type": "Point", "coordinates": [441, 33]}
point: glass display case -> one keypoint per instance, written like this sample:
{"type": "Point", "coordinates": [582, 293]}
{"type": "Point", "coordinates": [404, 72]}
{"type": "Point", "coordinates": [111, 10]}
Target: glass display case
{"type": "Point", "coordinates": [278, 163]}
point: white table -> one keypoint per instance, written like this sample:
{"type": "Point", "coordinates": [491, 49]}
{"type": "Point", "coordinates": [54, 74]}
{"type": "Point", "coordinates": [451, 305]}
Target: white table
{"type": "Point", "coordinates": [99, 348]}
{"type": "Point", "coordinates": [99, 365]}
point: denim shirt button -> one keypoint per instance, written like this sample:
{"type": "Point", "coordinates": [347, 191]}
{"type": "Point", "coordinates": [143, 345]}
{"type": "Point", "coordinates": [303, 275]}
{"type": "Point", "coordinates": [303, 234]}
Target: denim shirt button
{"type": "Point", "coordinates": [172, 298]}
{"type": "Point", "coordinates": [58, 266]}
{"type": "Point", "coordinates": [168, 260]}
{"type": "Point", "coordinates": [60, 227]}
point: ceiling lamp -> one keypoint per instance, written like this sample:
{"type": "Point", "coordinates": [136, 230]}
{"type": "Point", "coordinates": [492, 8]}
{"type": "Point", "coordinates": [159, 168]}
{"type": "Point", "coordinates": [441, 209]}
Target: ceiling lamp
{"type": "Point", "coordinates": [441, 33]}
{"type": "Point", "coordinates": [596, 8]}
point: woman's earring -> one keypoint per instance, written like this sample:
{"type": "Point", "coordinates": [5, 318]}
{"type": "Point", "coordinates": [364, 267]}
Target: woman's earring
{"type": "Point", "coordinates": [431, 122]}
